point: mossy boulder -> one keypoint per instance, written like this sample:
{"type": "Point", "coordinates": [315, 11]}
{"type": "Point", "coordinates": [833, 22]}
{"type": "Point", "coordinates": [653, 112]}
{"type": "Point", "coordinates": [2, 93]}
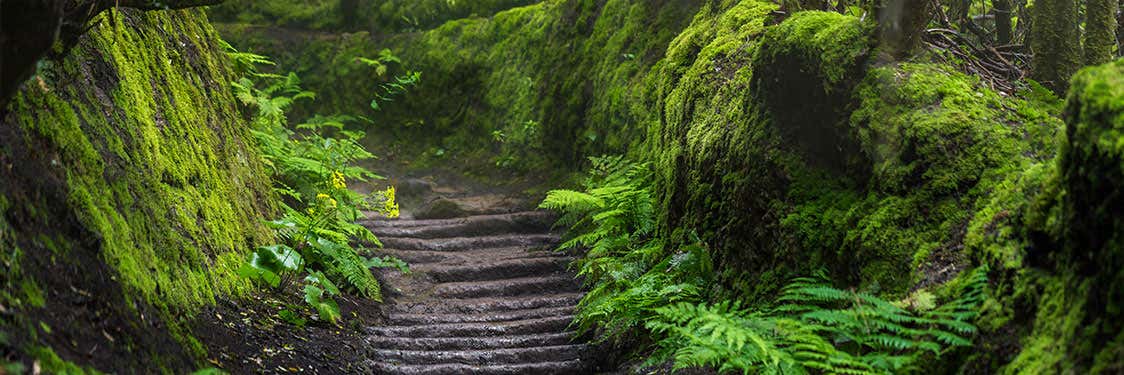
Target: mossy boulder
{"type": "Point", "coordinates": [132, 192]}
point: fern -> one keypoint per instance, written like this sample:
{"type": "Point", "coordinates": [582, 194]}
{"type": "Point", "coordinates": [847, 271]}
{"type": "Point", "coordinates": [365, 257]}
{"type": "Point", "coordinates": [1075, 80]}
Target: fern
{"type": "Point", "coordinates": [341, 262]}
{"type": "Point", "coordinates": [816, 328]}
{"type": "Point", "coordinates": [629, 272]}
{"type": "Point", "coordinates": [312, 163]}
{"type": "Point", "coordinates": [636, 281]}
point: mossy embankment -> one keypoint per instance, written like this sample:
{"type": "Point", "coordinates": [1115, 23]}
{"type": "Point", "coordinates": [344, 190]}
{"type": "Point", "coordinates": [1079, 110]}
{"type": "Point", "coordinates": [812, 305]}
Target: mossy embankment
{"type": "Point", "coordinates": [373, 16]}
{"type": "Point", "coordinates": [131, 193]}
{"type": "Point", "coordinates": [792, 148]}
{"type": "Point", "coordinates": [532, 88]}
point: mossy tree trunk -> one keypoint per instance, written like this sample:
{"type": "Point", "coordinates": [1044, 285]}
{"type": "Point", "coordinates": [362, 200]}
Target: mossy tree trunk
{"type": "Point", "coordinates": [1120, 29]}
{"type": "Point", "coordinates": [1100, 31]}
{"type": "Point", "coordinates": [1055, 42]}
{"type": "Point", "coordinates": [901, 25]}
{"type": "Point", "coordinates": [1002, 10]}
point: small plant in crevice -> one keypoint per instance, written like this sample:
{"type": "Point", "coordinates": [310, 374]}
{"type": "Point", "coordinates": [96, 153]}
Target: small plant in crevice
{"type": "Point", "coordinates": [519, 144]}
{"type": "Point", "coordinates": [394, 85]}
{"type": "Point", "coordinates": [322, 247]}
{"type": "Point", "coordinates": [637, 283]}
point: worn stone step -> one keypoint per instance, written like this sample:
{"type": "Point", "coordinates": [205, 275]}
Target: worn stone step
{"type": "Point", "coordinates": [481, 357]}
{"type": "Point", "coordinates": [481, 305]}
{"type": "Point", "coordinates": [405, 319]}
{"type": "Point", "coordinates": [517, 327]}
{"type": "Point", "coordinates": [558, 282]}
{"type": "Point", "coordinates": [467, 256]}
{"type": "Point", "coordinates": [471, 343]}
{"type": "Point", "coordinates": [469, 243]}
{"type": "Point", "coordinates": [539, 368]}
{"type": "Point", "coordinates": [500, 269]}
{"type": "Point", "coordinates": [411, 223]}
{"type": "Point", "coordinates": [521, 222]}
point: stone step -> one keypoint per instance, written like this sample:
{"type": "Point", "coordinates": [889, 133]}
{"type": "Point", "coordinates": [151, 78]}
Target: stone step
{"type": "Point", "coordinates": [538, 368]}
{"type": "Point", "coordinates": [482, 305]}
{"type": "Point", "coordinates": [405, 319]}
{"type": "Point", "coordinates": [469, 243]}
{"type": "Point", "coordinates": [481, 357]}
{"type": "Point", "coordinates": [467, 256]}
{"type": "Point", "coordinates": [471, 343]}
{"type": "Point", "coordinates": [521, 222]}
{"type": "Point", "coordinates": [558, 282]}
{"type": "Point", "coordinates": [500, 269]}
{"type": "Point", "coordinates": [517, 327]}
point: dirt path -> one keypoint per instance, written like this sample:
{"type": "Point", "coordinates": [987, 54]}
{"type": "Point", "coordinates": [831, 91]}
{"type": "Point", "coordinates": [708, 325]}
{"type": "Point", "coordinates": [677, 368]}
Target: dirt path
{"type": "Point", "coordinates": [486, 296]}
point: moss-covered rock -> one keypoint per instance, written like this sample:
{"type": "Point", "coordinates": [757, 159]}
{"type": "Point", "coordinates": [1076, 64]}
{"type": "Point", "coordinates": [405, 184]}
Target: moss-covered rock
{"type": "Point", "coordinates": [131, 193]}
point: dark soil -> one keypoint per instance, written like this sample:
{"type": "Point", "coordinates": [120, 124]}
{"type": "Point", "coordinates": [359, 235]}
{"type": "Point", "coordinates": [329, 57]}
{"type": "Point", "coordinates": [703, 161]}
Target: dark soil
{"type": "Point", "coordinates": [248, 337]}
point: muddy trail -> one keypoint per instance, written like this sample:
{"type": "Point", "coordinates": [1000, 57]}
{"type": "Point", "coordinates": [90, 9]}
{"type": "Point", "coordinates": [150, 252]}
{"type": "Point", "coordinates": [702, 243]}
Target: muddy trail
{"type": "Point", "coordinates": [486, 294]}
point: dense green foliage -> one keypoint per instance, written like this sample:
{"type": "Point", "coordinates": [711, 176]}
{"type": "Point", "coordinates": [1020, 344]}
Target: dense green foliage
{"type": "Point", "coordinates": [546, 83]}
{"type": "Point", "coordinates": [312, 165]}
{"type": "Point", "coordinates": [635, 282]}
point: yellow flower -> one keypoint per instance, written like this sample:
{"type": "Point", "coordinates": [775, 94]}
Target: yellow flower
{"type": "Point", "coordinates": [390, 205]}
{"type": "Point", "coordinates": [311, 211]}
{"type": "Point", "coordinates": [338, 180]}
{"type": "Point", "coordinates": [332, 202]}
{"type": "Point", "coordinates": [323, 196]}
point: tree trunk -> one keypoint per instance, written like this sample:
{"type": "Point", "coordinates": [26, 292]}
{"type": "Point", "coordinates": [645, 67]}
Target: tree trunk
{"type": "Point", "coordinates": [1120, 29]}
{"type": "Point", "coordinates": [1055, 42]}
{"type": "Point", "coordinates": [1002, 21]}
{"type": "Point", "coordinates": [958, 12]}
{"type": "Point", "coordinates": [901, 24]}
{"type": "Point", "coordinates": [1100, 31]}
{"type": "Point", "coordinates": [349, 13]}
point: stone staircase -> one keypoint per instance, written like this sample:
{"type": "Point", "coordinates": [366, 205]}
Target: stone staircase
{"type": "Point", "coordinates": [486, 295]}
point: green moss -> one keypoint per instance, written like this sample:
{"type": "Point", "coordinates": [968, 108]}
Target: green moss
{"type": "Point", "coordinates": [581, 71]}
{"type": "Point", "coordinates": [1100, 31]}
{"type": "Point", "coordinates": [144, 141]}
{"type": "Point", "coordinates": [375, 16]}
{"type": "Point", "coordinates": [50, 363]}
{"type": "Point", "coordinates": [1056, 42]}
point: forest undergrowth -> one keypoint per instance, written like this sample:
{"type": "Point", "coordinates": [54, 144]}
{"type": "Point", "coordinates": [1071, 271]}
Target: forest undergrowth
{"type": "Point", "coordinates": [323, 248]}
{"type": "Point", "coordinates": [641, 287]}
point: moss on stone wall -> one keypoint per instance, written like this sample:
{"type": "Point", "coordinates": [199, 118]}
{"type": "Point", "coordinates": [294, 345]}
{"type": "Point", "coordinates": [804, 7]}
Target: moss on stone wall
{"type": "Point", "coordinates": [375, 16]}
{"type": "Point", "coordinates": [130, 153]}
